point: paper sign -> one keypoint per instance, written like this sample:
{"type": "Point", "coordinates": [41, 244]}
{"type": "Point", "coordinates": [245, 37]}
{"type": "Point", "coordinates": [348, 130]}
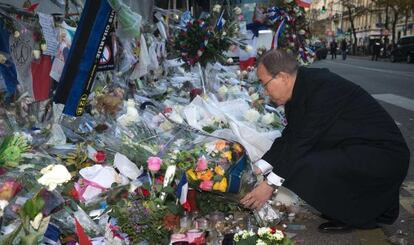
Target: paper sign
{"type": "Point", "coordinates": [49, 33]}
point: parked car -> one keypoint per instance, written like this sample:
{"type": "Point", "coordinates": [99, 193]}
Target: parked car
{"type": "Point", "coordinates": [404, 50]}
{"type": "Point", "coordinates": [320, 50]}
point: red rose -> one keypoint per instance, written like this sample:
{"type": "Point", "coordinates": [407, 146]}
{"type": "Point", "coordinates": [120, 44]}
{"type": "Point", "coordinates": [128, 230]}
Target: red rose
{"type": "Point", "coordinates": [100, 156]}
{"type": "Point", "coordinates": [74, 193]}
{"type": "Point", "coordinates": [144, 192]}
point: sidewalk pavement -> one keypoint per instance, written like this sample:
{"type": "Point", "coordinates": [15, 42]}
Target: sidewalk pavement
{"type": "Point", "coordinates": [305, 230]}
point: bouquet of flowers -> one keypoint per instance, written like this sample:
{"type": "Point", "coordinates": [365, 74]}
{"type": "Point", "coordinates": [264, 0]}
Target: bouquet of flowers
{"type": "Point", "coordinates": [205, 40]}
{"type": "Point", "coordinates": [264, 236]}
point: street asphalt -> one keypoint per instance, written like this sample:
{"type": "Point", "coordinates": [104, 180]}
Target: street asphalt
{"type": "Point", "coordinates": [392, 84]}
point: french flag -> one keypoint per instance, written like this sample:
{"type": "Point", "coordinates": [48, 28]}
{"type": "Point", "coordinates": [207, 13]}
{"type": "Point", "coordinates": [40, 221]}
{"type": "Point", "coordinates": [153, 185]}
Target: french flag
{"type": "Point", "coordinates": [248, 57]}
{"type": "Point", "coordinates": [304, 3]}
{"type": "Point", "coordinates": [182, 191]}
{"type": "Point", "coordinates": [220, 21]}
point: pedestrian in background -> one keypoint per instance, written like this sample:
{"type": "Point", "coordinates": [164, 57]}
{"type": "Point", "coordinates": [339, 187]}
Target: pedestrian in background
{"type": "Point", "coordinates": [333, 46]}
{"type": "Point", "coordinates": [344, 47]}
{"type": "Point", "coordinates": [376, 50]}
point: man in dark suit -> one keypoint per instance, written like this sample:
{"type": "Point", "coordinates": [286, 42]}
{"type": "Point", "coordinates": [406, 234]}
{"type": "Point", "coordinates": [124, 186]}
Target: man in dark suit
{"type": "Point", "coordinates": [341, 151]}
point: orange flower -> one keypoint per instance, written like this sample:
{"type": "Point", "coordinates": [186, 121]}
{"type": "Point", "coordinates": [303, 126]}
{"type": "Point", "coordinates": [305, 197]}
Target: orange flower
{"type": "Point", "coordinates": [220, 145]}
{"type": "Point", "coordinates": [227, 154]}
{"type": "Point", "coordinates": [205, 175]}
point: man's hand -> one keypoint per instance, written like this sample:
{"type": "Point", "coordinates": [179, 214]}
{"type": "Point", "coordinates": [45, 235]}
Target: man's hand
{"type": "Point", "coordinates": [258, 196]}
{"type": "Point", "coordinates": [257, 171]}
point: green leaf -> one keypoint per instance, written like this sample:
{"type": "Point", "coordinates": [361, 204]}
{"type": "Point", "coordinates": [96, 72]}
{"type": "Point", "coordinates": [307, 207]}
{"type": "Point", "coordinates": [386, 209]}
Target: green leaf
{"type": "Point", "coordinates": [32, 207]}
{"type": "Point", "coordinates": [9, 238]}
{"type": "Point", "coordinates": [169, 190]}
{"type": "Point", "coordinates": [32, 238]}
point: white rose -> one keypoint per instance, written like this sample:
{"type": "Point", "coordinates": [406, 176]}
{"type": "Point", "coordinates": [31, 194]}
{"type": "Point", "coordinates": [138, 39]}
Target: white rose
{"type": "Point", "coordinates": [248, 48]}
{"type": "Point", "coordinates": [260, 242]}
{"type": "Point", "coordinates": [252, 115]}
{"type": "Point", "coordinates": [237, 10]}
{"type": "Point", "coordinates": [229, 61]}
{"type": "Point", "coordinates": [254, 96]}
{"type": "Point", "coordinates": [302, 32]}
{"type": "Point", "coordinates": [217, 8]}
{"type": "Point", "coordinates": [3, 205]}
{"type": "Point", "coordinates": [268, 118]}
{"type": "Point", "coordinates": [36, 54]}
{"type": "Point", "coordinates": [279, 235]}
{"type": "Point", "coordinates": [54, 175]}
{"type": "Point", "coordinates": [16, 34]}
{"type": "Point", "coordinates": [263, 230]}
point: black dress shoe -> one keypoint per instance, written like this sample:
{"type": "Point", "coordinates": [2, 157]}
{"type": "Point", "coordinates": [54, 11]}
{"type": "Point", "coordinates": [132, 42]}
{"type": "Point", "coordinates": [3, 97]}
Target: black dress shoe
{"type": "Point", "coordinates": [334, 227]}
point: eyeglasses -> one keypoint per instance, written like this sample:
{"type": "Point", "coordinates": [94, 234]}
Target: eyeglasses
{"type": "Point", "coordinates": [266, 83]}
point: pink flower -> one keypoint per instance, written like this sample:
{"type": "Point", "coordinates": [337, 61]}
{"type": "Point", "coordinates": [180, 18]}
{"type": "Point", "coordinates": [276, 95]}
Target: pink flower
{"type": "Point", "coordinates": [206, 185]}
{"type": "Point", "coordinates": [154, 164]}
{"type": "Point", "coordinates": [201, 164]}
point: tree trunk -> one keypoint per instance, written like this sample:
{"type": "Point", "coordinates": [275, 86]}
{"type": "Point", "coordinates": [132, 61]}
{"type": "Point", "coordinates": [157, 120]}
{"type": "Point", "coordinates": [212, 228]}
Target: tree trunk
{"type": "Point", "coordinates": [387, 18]}
{"type": "Point", "coordinates": [351, 20]}
{"type": "Point", "coordinates": [407, 16]}
{"type": "Point", "coordinates": [387, 23]}
{"type": "Point", "coordinates": [394, 25]}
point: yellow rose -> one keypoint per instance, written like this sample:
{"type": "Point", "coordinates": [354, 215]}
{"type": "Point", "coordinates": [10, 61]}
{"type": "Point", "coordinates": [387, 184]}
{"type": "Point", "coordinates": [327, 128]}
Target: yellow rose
{"type": "Point", "coordinates": [227, 154]}
{"type": "Point", "coordinates": [220, 186]}
{"type": "Point", "coordinates": [237, 148]}
{"type": "Point", "coordinates": [219, 170]}
{"type": "Point", "coordinates": [191, 174]}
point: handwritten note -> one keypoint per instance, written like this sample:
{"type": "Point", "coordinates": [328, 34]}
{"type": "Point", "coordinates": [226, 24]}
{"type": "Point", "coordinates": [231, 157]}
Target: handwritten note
{"type": "Point", "coordinates": [49, 32]}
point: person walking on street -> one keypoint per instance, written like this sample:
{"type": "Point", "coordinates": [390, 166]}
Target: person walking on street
{"type": "Point", "coordinates": [344, 47]}
{"type": "Point", "coordinates": [333, 47]}
{"type": "Point", "coordinates": [376, 50]}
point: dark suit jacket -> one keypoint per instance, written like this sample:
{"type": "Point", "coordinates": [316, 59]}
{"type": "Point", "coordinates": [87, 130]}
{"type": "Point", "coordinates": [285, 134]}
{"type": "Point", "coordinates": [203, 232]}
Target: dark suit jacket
{"type": "Point", "coordinates": [339, 144]}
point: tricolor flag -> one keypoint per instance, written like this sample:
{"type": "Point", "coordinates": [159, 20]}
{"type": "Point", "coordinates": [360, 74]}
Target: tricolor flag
{"type": "Point", "coordinates": [304, 3]}
{"type": "Point", "coordinates": [220, 21]}
{"type": "Point", "coordinates": [278, 33]}
{"type": "Point", "coordinates": [182, 191]}
{"type": "Point", "coordinates": [248, 57]}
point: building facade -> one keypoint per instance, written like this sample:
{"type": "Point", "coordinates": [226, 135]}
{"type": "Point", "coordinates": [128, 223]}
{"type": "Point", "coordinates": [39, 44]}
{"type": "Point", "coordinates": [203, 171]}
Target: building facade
{"type": "Point", "coordinates": [369, 21]}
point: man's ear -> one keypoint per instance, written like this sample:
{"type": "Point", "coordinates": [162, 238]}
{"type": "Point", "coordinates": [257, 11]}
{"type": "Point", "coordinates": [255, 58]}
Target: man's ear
{"type": "Point", "coordinates": [285, 77]}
